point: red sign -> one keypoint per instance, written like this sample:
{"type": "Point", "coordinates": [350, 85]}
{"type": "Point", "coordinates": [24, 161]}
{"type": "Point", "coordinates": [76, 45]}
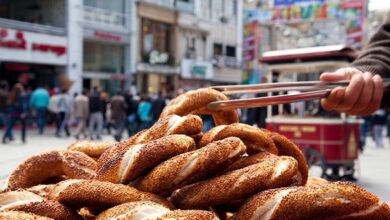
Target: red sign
{"type": "Point", "coordinates": [19, 42]}
{"type": "Point", "coordinates": [58, 50]}
{"type": "Point", "coordinates": [107, 36]}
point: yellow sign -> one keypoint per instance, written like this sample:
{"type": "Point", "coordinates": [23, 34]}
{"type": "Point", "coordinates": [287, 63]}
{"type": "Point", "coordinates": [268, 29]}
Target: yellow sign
{"type": "Point", "coordinates": [297, 130]}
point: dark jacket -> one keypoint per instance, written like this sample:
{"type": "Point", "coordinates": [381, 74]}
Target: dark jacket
{"type": "Point", "coordinates": [3, 101]}
{"type": "Point", "coordinates": [95, 104]}
{"type": "Point", "coordinates": [375, 58]}
{"type": "Point", "coordinates": [118, 108]}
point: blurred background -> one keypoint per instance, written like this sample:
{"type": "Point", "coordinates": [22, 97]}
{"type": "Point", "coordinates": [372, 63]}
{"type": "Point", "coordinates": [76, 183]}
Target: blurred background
{"type": "Point", "coordinates": [142, 53]}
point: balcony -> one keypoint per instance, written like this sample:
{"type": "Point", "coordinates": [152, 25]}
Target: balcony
{"type": "Point", "coordinates": [26, 26]}
{"type": "Point", "coordinates": [226, 62]}
{"type": "Point", "coordinates": [105, 18]}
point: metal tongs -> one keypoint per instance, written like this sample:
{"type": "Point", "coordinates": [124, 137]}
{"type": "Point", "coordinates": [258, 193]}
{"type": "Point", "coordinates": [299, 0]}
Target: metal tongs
{"type": "Point", "coordinates": [309, 90]}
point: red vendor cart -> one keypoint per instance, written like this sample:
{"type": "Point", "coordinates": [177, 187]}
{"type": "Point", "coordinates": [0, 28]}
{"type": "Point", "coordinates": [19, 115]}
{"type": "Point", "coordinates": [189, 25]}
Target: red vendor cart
{"type": "Point", "coordinates": [330, 141]}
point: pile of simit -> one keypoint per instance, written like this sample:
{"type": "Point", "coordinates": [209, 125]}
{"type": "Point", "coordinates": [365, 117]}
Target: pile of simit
{"type": "Point", "coordinates": [174, 171]}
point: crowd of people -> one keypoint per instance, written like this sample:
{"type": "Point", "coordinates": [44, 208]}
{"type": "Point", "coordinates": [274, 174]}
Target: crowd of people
{"type": "Point", "coordinates": [90, 113]}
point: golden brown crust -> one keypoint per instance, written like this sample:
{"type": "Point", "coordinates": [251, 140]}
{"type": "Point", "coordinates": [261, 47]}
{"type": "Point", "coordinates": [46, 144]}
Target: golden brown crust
{"type": "Point", "coordinates": [13, 215]}
{"type": "Point", "coordinates": [140, 158]}
{"type": "Point", "coordinates": [189, 215]}
{"type": "Point", "coordinates": [34, 170]}
{"type": "Point", "coordinates": [255, 139]}
{"type": "Point", "coordinates": [41, 190]}
{"type": "Point", "coordinates": [93, 193]}
{"type": "Point", "coordinates": [312, 180]}
{"type": "Point", "coordinates": [195, 102]}
{"type": "Point", "coordinates": [192, 166]}
{"type": "Point", "coordinates": [250, 160]}
{"type": "Point", "coordinates": [236, 185]}
{"type": "Point", "coordinates": [29, 202]}
{"type": "Point", "coordinates": [130, 210]}
{"type": "Point", "coordinates": [287, 148]}
{"type": "Point", "coordinates": [91, 148]}
{"type": "Point", "coordinates": [339, 200]}
{"type": "Point", "coordinates": [173, 124]}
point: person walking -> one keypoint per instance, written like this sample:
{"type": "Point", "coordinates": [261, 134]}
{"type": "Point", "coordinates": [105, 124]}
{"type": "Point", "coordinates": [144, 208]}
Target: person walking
{"type": "Point", "coordinates": [3, 102]}
{"type": "Point", "coordinates": [81, 113]}
{"type": "Point", "coordinates": [132, 121]}
{"type": "Point", "coordinates": [143, 111]}
{"type": "Point", "coordinates": [95, 115]}
{"type": "Point", "coordinates": [63, 113]}
{"type": "Point", "coordinates": [39, 102]}
{"type": "Point", "coordinates": [379, 122]}
{"type": "Point", "coordinates": [16, 109]}
{"type": "Point", "coordinates": [118, 114]}
{"type": "Point", "coordinates": [158, 105]}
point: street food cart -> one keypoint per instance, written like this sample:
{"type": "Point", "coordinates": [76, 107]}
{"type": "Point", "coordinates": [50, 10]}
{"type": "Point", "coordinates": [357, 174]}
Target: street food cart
{"type": "Point", "coordinates": [328, 140]}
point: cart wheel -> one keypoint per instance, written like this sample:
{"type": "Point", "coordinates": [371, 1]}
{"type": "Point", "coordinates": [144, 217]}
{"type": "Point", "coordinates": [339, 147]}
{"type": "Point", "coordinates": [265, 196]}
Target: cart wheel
{"type": "Point", "coordinates": [314, 158]}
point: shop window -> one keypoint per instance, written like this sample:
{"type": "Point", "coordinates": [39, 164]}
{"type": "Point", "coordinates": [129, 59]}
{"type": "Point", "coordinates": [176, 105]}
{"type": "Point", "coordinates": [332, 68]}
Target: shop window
{"type": "Point", "coordinates": [113, 5]}
{"type": "Point", "coordinates": [155, 42]}
{"type": "Point", "coordinates": [217, 49]}
{"type": "Point", "coordinates": [106, 58]}
{"type": "Point", "coordinates": [230, 51]}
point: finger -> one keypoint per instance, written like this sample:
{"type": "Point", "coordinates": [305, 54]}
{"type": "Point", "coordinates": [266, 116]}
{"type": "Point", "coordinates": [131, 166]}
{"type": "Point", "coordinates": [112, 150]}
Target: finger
{"type": "Point", "coordinates": [341, 74]}
{"type": "Point", "coordinates": [365, 96]}
{"type": "Point", "coordinates": [352, 93]}
{"type": "Point", "coordinates": [376, 96]}
{"type": "Point", "coordinates": [334, 98]}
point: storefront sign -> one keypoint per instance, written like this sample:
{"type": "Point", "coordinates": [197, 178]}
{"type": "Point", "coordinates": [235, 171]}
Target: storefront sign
{"type": "Point", "coordinates": [105, 36]}
{"type": "Point", "coordinates": [23, 46]}
{"type": "Point", "coordinates": [191, 69]}
{"type": "Point", "coordinates": [156, 57]}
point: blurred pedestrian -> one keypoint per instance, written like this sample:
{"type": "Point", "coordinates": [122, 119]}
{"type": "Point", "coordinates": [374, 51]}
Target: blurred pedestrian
{"type": "Point", "coordinates": [364, 129]}
{"type": "Point", "coordinates": [95, 126]}
{"type": "Point", "coordinates": [3, 102]}
{"type": "Point", "coordinates": [104, 102]}
{"type": "Point", "coordinates": [39, 102]}
{"type": "Point", "coordinates": [379, 122]}
{"type": "Point", "coordinates": [144, 111]}
{"type": "Point", "coordinates": [16, 109]}
{"type": "Point", "coordinates": [118, 114]}
{"type": "Point", "coordinates": [158, 105]}
{"type": "Point", "coordinates": [81, 113]}
{"type": "Point", "coordinates": [63, 113]}
{"type": "Point", "coordinates": [132, 117]}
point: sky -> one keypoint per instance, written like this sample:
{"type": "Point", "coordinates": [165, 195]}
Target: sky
{"type": "Point", "coordinates": [379, 5]}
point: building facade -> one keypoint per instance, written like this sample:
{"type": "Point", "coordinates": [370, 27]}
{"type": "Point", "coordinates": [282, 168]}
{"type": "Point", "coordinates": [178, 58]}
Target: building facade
{"type": "Point", "coordinates": [33, 41]}
{"type": "Point", "coordinates": [187, 44]}
{"type": "Point", "coordinates": [149, 46]}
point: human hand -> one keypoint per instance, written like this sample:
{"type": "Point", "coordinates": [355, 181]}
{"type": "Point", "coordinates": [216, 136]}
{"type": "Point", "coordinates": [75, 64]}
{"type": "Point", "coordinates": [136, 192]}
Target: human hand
{"type": "Point", "coordinates": [362, 96]}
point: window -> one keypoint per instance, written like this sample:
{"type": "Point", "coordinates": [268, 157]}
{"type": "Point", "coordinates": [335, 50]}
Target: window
{"type": "Point", "coordinates": [155, 39]}
{"type": "Point", "coordinates": [217, 49]}
{"type": "Point", "coordinates": [230, 51]}
{"type": "Point", "coordinates": [113, 5]}
{"type": "Point", "coordinates": [99, 57]}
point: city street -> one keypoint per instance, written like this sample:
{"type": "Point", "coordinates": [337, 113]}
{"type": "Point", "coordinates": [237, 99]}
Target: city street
{"type": "Point", "coordinates": [373, 174]}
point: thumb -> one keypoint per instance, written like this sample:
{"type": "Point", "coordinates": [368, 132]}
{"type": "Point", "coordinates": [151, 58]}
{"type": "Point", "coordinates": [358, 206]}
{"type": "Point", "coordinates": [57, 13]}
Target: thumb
{"type": "Point", "coordinates": [341, 74]}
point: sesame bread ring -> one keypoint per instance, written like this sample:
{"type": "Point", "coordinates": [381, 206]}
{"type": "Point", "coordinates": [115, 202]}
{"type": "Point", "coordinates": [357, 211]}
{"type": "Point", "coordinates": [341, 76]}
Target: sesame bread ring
{"type": "Point", "coordinates": [173, 124]}
{"type": "Point", "coordinates": [91, 148]}
{"type": "Point", "coordinates": [250, 160]}
{"type": "Point", "coordinates": [29, 202]}
{"type": "Point", "coordinates": [287, 148]}
{"type": "Point", "coordinates": [195, 102]}
{"type": "Point", "coordinates": [255, 139]}
{"type": "Point", "coordinates": [41, 190]}
{"type": "Point", "coordinates": [236, 185]}
{"type": "Point", "coordinates": [313, 180]}
{"type": "Point", "coordinates": [192, 166]}
{"type": "Point", "coordinates": [339, 200]}
{"type": "Point", "coordinates": [93, 193]}
{"type": "Point", "coordinates": [152, 211]}
{"type": "Point", "coordinates": [12, 215]}
{"type": "Point", "coordinates": [134, 210]}
{"type": "Point", "coordinates": [140, 158]}
{"type": "Point", "coordinates": [34, 170]}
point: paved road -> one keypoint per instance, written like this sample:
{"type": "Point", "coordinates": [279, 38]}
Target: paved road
{"type": "Point", "coordinates": [374, 163]}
